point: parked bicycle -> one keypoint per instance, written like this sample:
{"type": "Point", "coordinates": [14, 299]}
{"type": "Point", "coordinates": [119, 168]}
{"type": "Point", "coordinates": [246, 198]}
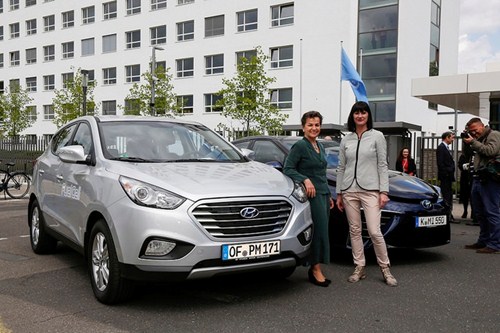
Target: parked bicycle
{"type": "Point", "coordinates": [16, 184]}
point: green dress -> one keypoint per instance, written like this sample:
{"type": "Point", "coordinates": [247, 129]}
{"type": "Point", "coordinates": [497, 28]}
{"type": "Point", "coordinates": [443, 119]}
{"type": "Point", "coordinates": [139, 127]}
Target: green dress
{"type": "Point", "coordinates": [304, 162]}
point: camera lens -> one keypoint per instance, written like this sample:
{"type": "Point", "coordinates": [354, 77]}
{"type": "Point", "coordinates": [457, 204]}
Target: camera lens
{"type": "Point", "coordinates": [464, 135]}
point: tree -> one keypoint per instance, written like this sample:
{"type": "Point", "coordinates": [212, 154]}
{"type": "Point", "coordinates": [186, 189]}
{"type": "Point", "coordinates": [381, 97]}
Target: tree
{"type": "Point", "coordinates": [69, 101]}
{"type": "Point", "coordinates": [14, 111]}
{"type": "Point", "coordinates": [165, 102]}
{"type": "Point", "coordinates": [245, 97]}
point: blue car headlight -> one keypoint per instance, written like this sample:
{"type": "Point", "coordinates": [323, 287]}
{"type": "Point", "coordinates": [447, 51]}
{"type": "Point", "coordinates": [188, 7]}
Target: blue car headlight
{"type": "Point", "coordinates": [145, 194]}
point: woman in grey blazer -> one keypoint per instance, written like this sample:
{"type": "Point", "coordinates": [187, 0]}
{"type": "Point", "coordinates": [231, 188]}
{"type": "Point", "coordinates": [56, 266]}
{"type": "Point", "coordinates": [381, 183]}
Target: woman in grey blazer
{"type": "Point", "coordinates": [363, 182]}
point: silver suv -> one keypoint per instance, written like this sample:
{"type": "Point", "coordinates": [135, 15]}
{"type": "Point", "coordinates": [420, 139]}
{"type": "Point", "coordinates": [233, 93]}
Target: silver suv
{"type": "Point", "coordinates": [150, 198]}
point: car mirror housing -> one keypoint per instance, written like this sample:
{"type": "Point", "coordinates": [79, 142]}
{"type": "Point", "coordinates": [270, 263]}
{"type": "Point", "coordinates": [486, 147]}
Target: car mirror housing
{"type": "Point", "coordinates": [250, 154]}
{"type": "Point", "coordinates": [72, 154]}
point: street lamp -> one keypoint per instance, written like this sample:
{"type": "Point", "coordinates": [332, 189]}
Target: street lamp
{"type": "Point", "coordinates": [153, 78]}
{"type": "Point", "coordinates": [85, 84]}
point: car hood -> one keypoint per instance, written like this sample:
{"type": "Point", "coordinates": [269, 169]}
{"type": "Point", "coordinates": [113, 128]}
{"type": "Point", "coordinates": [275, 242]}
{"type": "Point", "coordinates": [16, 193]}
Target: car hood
{"type": "Point", "coordinates": [202, 180]}
{"type": "Point", "coordinates": [402, 186]}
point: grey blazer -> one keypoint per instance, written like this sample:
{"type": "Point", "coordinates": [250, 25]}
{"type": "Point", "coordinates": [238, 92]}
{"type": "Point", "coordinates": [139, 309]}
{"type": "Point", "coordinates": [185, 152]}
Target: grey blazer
{"type": "Point", "coordinates": [363, 161]}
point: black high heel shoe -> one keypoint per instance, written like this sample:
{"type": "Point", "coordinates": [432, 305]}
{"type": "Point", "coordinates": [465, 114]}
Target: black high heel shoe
{"type": "Point", "coordinates": [313, 280]}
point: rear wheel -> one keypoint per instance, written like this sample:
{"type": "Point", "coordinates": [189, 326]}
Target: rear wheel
{"type": "Point", "coordinates": [105, 276]}
{"type": "Point", "coordinates": [41, 242]}
{"type": "Point", "coordinates": [18, 185]}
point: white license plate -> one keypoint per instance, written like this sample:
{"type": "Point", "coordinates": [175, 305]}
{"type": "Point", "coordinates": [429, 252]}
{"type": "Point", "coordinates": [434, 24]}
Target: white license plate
{"type": "Point", "coordinates": [430, 221]}
{"type": "Point", "coordinates": [250, 250]}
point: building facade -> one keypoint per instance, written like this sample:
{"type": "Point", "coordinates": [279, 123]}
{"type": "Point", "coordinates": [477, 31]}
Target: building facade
{"type": "Point", "coordinates": [43, 42]}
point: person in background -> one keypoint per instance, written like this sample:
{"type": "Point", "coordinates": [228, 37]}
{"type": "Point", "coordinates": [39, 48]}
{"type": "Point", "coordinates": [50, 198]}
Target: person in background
{"type": "Point", "coordinates": [465, 178]}
{"type": "Point", "coordinates": [485, 196]}
{"type": "Point", "coordinates": [306, 164]}
{"type": "Point", "coordinates": [446, 170]}
{"type": "Point", "coordinates": [405, 163]}
{"type": "Point", "coordinates": [363, 183]}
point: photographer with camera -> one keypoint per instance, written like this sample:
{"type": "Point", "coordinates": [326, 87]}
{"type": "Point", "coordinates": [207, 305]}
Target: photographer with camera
{"type": "Point", "coordinates": [485, 188]}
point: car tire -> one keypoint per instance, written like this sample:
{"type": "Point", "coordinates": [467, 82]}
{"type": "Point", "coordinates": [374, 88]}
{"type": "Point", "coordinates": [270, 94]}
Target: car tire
{"type": "Point", "coordinates": [41, 242]}
{"type": "Point", "coordinates": [107, 283]}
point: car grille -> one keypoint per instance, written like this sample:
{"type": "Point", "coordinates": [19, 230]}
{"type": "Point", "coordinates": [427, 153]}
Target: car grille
{"type": "Point", "coordinates": [385, 222]}
{"type": "Point", "coordinates": [224, 219]}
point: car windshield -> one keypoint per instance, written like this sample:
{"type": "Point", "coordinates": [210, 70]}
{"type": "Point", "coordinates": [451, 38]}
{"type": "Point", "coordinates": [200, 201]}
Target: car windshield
{"type": "Point", "coordinates": [331, 150]}
{"type": "Point", "coordinates": [162, 141]}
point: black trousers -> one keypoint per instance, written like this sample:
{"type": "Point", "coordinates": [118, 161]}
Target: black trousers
{"type": "Point", "coordinates": [446, 190]}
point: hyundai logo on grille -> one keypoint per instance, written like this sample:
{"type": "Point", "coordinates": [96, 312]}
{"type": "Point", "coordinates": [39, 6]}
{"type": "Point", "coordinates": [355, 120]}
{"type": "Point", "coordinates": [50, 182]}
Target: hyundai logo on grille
{"type": "Point", "coordinates": [426, 204]}
{"type": "Point", "coordinates": [249, 212]}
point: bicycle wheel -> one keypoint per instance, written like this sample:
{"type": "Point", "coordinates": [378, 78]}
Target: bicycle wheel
{"type": "Point", "coordinates": [18, 185]}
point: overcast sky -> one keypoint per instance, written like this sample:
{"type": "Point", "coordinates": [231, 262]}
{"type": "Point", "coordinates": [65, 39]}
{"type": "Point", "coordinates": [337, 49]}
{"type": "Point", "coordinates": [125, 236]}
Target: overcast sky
{"type": "Point", "coordinates": [479, 41]}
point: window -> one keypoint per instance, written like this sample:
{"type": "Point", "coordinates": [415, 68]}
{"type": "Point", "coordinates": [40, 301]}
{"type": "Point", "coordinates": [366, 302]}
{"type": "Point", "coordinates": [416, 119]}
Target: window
{"type": "Point", "coordinates": [31, 27]}
{"type": "Point", "coordinates": [133, 7]}
{"type": "Point", "coordinates": [214, 26]}
{"type": "Point", "coordinates": [67, 78]}
{"type": "Point", "coordinates": [245, 54]}
{"type": "Point", "coordinates": [30, 3]}
{"type": "Point", "coordinates": [133, 39]}
{"type": "Point", "coordinates": [14, 30]}
{"type": "Point", "coordinates": [185, 30]}
{"type": "Point", "coordinates": [247, 20]}
{"type": "Point", "coordinates": [282, 15]}
{"type": "Point", "coordinates": [214, 64]}
{"type": "Point", "coordinates": [14, 85]}
{"type": "Point", "coordinates": [158, 4]}
{"type": "Point", "coordinates": [109, 43]}
{"type": "Point", "coordinates": [282, 57]}
{"type": "Point", "coordinates": [132, 106]}
{"type": "Point", "coordinates": [14, 4]}
{"type": "Point", "coordinates": [88, 15]}
{"type": "Point", "coordinates": [49, 82]}
{"type": "Point", "coordinates": [91, 75]}
{"type": "Point", "coordinates": [1, 32]}
{"type": "Point", "coordinates": [185, 67]}
{"type": "Point", "coordinates": [185, 103]}
{"type": "Point", "coordinates": [48, 112]}
{"type": "Point", "coordinates": [210, 101]}
{"type": "Point", "coordinates": [49, 53]}
{"type": "Point", "coordinates": [158, 35]}
{"type": "Point", "coordinates": [183, 2]}
{"type": "Point", "coordinates": [49, 23]}
{"type": "Point", "coordinates": [1, 60]}
{"type": "Point", "coordinates": [68, 50]}
{"type": "Point", "coordinates": [31, 84]}
{"type": "Point", "coordinates": [87, 46]}
{"type": "Point", "coordinates": [109, 10]}
{"type": "Point", "coordinates": [15, 58]}
{"type": "Point", "coordinates": [68, 19]}
{"type": "Point", "coordinates": [31, 110]}
{"type": "Point", "coordinates": [31, 56]}
{"type": "Point", "coordinates": [109, 107]}
{"type": "Point", "coordinates": [133, 73]}
{"type": "Point", "coordinates": [282, 98]}
{"type": "Point", "coordinates": [1, 6]}
{"type": "Point", "coordinates": [109, 75]}
{"type": "Point", "coordinates": [162, 64]}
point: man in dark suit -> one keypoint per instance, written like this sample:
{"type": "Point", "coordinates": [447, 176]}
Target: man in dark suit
{"type": "Point", "coordinates": [446, 169]}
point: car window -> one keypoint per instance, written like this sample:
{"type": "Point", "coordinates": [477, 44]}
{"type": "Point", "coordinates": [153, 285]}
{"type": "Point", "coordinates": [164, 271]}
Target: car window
{"type": "Point", "coordinates": [61, 139]}
{"type": "Point", "coordinates": [83, 138]}
{"type": "Point", "coordinates": [267, 151]}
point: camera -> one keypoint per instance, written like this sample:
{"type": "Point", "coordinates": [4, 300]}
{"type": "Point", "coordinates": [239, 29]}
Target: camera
{"type": "Point", "coordinates": [464, 134]}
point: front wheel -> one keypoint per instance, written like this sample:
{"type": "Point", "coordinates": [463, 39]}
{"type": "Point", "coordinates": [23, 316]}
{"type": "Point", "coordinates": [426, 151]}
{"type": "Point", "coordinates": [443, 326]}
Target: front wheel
{"type": "Point", "coordinates": [18, 185]}
{"type": "Point", "coordinates": [104, 269]}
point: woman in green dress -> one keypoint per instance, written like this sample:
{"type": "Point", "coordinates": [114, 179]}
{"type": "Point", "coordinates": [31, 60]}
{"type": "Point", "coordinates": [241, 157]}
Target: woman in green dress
{"type": "Point", "coordinates": [306, 164]}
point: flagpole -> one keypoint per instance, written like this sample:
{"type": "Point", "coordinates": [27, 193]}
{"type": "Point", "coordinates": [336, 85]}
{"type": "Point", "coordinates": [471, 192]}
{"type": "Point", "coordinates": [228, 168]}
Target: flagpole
{"type": "Point", "coordinates": [340, 84]}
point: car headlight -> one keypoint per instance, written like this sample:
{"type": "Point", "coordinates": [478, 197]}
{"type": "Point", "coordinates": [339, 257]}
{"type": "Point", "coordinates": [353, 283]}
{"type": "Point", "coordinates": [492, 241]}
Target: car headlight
{"type": "Point", "coordinates": [148, 195]}
{"type": "Point", "coordinates": [299, 192]}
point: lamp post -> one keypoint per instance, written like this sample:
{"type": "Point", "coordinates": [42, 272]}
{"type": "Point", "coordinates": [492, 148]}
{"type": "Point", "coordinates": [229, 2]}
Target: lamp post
{"type": "Point", "coordinates": [153, 78]}
{"type": "Point", "coordinates": [85, 84]}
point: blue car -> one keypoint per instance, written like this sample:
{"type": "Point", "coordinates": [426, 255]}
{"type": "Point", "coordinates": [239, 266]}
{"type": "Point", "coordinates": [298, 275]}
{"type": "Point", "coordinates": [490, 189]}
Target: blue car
{"type": "Point", "coordinates": [415, 217]}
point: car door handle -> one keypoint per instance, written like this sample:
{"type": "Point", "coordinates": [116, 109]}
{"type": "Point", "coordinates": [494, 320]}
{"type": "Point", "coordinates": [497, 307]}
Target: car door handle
{"type": "Point", "coordinates": [41, 172]}
{"type": "Point", "coordinates": [59, 177]}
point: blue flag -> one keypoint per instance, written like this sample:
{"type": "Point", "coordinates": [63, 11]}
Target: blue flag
{"type": "Point", "coordinates": [350, 74]}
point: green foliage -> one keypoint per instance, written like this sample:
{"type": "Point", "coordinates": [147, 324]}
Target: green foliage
{"type": "Point", "coordinates": [139, 97]}
{"type": "Point", "coordinates": [14, 112]}
{"type": "Point", "coordinates": [245, 97]}
{"type": "Point", "coordinates": [68, 102]}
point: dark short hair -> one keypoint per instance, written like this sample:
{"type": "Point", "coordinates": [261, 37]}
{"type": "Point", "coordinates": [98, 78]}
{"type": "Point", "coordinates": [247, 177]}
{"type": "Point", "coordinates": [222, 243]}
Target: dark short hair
{"type": "Point", "coordinates": [359, 106]}
{"type": "Point", "coordinates": [311, 114]}
{"type": "Point", "coordinates": [474, 120]}
{"type": "Point", "coordinates": [446, 134]}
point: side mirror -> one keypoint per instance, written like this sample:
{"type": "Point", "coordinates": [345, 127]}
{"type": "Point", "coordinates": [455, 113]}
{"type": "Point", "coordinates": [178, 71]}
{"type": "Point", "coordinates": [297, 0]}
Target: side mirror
{"type": "Point", "coordinates": [250, 154]}
{"type": "Point", "coordinates": [72, 154]}
{"type": "Point", "coordinates": [276, 165]}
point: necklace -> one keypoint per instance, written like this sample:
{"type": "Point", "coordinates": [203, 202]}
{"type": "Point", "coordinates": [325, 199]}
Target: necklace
{"type": "Point", "coordinates": [315, 146]}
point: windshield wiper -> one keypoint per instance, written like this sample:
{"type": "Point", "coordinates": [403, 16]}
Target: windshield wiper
{"type": "Point", "coordinates": [132, 159]}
